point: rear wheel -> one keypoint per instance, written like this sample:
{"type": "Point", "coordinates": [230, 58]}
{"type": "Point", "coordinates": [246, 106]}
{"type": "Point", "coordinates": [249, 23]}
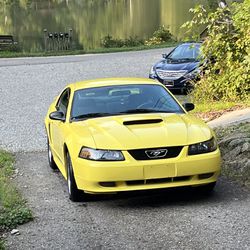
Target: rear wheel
{"type": "Point", "coordinates": [52, 163]}
{"type": "Point", "coordinates": [74, 193]}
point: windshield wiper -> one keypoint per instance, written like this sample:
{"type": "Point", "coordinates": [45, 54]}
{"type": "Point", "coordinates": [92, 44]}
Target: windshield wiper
{"type": "Point", "coordinates": [136, 111]}
{"type": "Point", "coordinates": [89, 115]}
{"type": "Point", "coordinates": [170, 59]}
{"type": "Point", "coordinates": [186, 59]}
{"type": "Point", "coordinates": [181, 59]}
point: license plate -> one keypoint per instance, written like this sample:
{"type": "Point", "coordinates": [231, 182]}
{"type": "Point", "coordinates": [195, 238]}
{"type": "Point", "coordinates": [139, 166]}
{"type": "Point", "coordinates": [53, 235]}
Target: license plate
{"type": "Point", "coordinates": [160, 171]}
{"type": "Point", "coordinates": [168, 83]}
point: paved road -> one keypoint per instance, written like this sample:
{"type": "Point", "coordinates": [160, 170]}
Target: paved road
{"type": "Point", "coordinates": [28, 86]}
{"type": "Point", "coordinates": [157, 220]}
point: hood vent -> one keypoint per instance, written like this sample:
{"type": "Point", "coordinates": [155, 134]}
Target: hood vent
{"type": "Point", "coordinates": [138, 122]}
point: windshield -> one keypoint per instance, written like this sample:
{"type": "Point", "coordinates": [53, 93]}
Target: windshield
{"type": "Point", "coordinates": [122, 99]}
{"type": "Point", "coordinates": [186, 52]}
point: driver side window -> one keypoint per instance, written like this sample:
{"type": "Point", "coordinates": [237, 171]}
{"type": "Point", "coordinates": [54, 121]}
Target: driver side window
{"type": "Point", "coordinates": [63, 101]}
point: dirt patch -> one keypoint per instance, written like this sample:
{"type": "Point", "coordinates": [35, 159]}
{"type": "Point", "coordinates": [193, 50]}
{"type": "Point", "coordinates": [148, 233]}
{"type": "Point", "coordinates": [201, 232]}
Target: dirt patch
{"type": "Point", "coordinates": [211, 115]}
{"type": "Point", "coordinates": [234, 143]}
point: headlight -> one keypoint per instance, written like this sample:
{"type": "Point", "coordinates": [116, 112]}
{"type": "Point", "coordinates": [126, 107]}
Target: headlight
{"type": "Point", "coordinates": [152, 71]}
{"type": "Point", "coordinates": [193, 74]}
{"type": "Point", "coordinates": [101, 155]}
{"type": "Point", "coordinates": [203, 147]}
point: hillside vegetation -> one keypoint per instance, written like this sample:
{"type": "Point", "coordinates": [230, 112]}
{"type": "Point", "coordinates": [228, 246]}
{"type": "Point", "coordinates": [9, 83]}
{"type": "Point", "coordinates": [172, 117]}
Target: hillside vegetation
{"type": "Point", "coordinates": [226, 48]}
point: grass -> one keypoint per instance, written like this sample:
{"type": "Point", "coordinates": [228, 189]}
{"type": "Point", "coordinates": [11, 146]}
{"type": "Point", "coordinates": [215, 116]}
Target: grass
{"type": "Point", "coordinates": [13, 54]}
{"type": "Point", "coordinates": [213, 110]}
{"type": "Point", "coordinates": [137, 48]}
{"type": "Point", "coordinates": [1, 245]}
{"type": "Point", "coordinates": [219, 106]}
{"type": "Point", "coordinates": [13, 209]}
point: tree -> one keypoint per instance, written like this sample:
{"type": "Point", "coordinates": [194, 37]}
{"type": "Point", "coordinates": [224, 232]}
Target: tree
{"type": "Point", "coordinates": [227, 48]}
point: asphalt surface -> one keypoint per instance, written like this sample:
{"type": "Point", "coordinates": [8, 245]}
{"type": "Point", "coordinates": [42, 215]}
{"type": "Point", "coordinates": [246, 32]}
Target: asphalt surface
{"type": "Point", "coordinates": [29, 85]}
{"type": "Point", "coordinates": [171, 219]}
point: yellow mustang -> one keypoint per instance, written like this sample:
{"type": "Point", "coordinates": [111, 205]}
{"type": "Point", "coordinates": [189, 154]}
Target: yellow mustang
{"type": "Point", "coordinates": [112, 135]}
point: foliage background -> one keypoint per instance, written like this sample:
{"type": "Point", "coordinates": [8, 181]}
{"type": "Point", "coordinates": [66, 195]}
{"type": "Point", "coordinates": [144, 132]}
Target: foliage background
{"type": "Point", "coordinates": [227, 48]}
{"type": "Point", "coordinates": [90, 20]}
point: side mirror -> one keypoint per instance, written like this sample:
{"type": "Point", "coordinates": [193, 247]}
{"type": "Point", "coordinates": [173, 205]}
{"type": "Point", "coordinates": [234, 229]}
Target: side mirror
{"type": "Point", "coordinates": [164, 56]}
{"type": "Point", "coordinates": [188, 106]}
{"type": "Point", "coordinates": [57, 115]}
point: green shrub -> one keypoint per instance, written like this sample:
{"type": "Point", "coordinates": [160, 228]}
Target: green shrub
{"type": "Point", "coordinates": [10, 218]}
{"type": "Point", "coordinates": [163, 33]}
{"type": "Point", "coordinates": [13, 209]}
{"type": "Point", "coordinates": [110, 42]}
{"type": "Point", "coordinates": [1, 244]}
{"type": "Point", "coordinates": [153, 41]}
{"type": "Point", "coordinates": [12, 48]}
{"type": "Point", "coordinates": [133, 42]}
{"type": "Point", "coordinates": [160, 36]}
{"type": "Point", "coordinates": [228, 45]}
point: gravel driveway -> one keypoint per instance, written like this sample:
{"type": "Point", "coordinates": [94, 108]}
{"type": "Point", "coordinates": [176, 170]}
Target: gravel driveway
{"type": "Point", "coordinates": [28, 86]}
{"type": "Point", "coordinates": [152, 220]}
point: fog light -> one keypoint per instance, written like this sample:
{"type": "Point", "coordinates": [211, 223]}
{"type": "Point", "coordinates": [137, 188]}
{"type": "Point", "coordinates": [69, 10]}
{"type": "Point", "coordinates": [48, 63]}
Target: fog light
{"type": "Point", "coordinates": [205, 176]}
{"type": "Point", "coordinates": [107, 184]}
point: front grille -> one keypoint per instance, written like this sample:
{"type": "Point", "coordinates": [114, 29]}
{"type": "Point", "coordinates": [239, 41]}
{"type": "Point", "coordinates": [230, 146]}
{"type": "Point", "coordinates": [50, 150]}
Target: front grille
{"type": "Point", "coordinates": [170, 74]}
{"type": "Point", "coordinates": [143, 154]}
{"type": "Point", "coordinates": [158, 181]}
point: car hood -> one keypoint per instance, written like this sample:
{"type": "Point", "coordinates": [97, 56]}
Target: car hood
{"type": "Point", "coordinates": [188, 66]}
{"type": "Point", "coordinates": [141, 131]}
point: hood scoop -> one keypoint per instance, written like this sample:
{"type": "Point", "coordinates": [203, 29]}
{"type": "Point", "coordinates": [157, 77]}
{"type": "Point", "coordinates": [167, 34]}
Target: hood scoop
{"type": "Point", "coordinates": [139, 122]}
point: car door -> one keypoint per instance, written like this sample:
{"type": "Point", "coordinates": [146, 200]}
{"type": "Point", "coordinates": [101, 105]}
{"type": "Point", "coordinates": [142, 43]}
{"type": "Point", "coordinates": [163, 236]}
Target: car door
{"type": "Point", "coordinates": [57, 127]}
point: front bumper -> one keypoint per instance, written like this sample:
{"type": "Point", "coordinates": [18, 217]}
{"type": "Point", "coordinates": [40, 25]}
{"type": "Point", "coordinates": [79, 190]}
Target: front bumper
{"type": "Point", "coordinates": [177, 84]}
{"type": "Point", "coordinates": [128, 175]}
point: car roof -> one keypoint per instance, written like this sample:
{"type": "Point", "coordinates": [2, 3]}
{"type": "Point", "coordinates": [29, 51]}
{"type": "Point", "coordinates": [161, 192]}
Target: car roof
{"type": "Point", "coordinates": [190, 43]}
{"type": "Point", "coordinates": [111, 82]}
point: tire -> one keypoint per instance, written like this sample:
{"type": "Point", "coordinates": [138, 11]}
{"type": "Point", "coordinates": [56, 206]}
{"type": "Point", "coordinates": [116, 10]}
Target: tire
{"type": "Point", "coordinates": [52, 163]}
{"type": "Point", "coordinates": [74, 193]}
{"type": "Point", "coordinates": [206, 189]}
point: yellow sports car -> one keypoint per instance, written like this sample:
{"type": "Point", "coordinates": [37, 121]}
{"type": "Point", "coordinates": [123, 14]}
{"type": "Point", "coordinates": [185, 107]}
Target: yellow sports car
{"type": "Point", "coordinates": [112, 135]}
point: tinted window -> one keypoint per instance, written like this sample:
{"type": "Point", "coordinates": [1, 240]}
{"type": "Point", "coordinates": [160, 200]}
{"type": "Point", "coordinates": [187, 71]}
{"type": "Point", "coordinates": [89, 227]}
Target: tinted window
{"type": "Point", "coordinates": [115, 100]}
{"type": "Point", "coordinates": [63, 101]}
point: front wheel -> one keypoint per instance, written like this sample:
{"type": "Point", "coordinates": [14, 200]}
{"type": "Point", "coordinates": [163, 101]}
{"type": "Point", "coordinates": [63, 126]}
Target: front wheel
{"type": "Point", "coordinates": [74, 193]}
{"type": "Point", "coordinates": [52, 163]}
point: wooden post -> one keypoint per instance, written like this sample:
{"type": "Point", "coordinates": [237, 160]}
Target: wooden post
{"type": "Point", "coordinates": [70, 38]}
{"type": "Point", "coordinates": [45, 39]}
